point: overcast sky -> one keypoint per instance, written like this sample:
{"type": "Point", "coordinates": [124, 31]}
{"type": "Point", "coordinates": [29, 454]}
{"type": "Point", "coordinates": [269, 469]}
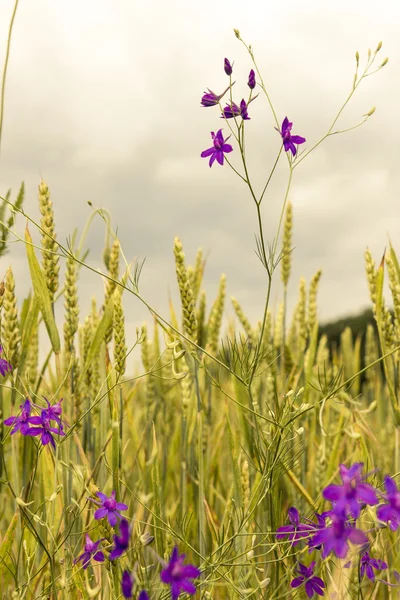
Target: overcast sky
{"type": "Point", "coordinates": [103, 102]}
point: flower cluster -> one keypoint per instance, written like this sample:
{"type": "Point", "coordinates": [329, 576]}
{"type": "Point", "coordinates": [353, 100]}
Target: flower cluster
{"type": "Point", "coordinates": [334, 529]}
{"type": "Point", "coordinates": [42, 425]}
{"type": "Point", "coordinates": [232, 110]}
{"type": "Point", "coordinates": [175, 573]}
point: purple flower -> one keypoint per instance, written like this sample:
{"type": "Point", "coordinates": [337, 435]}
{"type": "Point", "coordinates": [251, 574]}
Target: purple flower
{"type": "Point", "coordinates": [53, 412]}
{"type": "Point", "coordinates": [177, 575]}
{"type": "Point", "coordinates": [227, 67]}
{"type": "Point", "coordinates": [347, 497]}
{"type": "Point", "coordinates": [233, 110]}
{"type": "Point", "coordinates": [289, 140]}
{"type": "Point", "coordinates": [21, 422]}
{"type": "Point", "coordinates": [143, 595]}
{"type": "Point", "coordinates": [90, 552]}
{"type": "Point", "coordinates": [5, 366]}
{"type": "Point", "coordinates": [252, 80]}
{"type": "Point", "coordinates": [127, 584]}
{"type": "Point", "coordinates": [296, 531]}
{"type": "Point", "coordinates": [43, 429]}
{"type": "Point", "coordinates": [312, 584]}
{"type": "Point", "coordinates": [335, 536]}
{"type": "Point", "coordinates": [211, 99]}
{"type": "Point", "coordinates": [390, 513]}
{"type": "Point", "coordinates": [122, 541]}
{"type": "Point", "coordinates": [368, 564]}
{"type": "Point", "coordinates": [109, 508]}
{"type": "Point", "coordinates": [218, 149]}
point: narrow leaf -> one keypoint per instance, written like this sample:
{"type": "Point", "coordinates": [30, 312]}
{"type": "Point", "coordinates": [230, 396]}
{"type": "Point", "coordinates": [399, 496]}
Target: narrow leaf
{"type": "Point", "coordinates": [104, 325]}
{"type": "Point", "coordinates": [42, 294]}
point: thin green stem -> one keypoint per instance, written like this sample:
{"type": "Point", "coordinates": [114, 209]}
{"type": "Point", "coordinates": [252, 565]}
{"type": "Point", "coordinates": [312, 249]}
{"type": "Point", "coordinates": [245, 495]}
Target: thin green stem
{"type": "Point", "coordinates": [5, 68]}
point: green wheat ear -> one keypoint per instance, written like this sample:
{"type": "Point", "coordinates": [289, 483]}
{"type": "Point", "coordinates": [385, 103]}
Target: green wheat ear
{"type": "Point", "coordinates": [50, 260]}
{"type": "Point", "coordinates": [287, 245]}
{"type": "Point", "coordinates": [11, 333]}
{"type": "Point", "coordinates": [71, 306]}
{"type": "Point", "coordinates": [111, 283]}
{"type": "Point", "coordinates": [186, 293]}
{"type": "Point", "coordinates": [119, 334]}
{"type": "Point", "coordinates": [312, 301]}
{"type": "Point", "coordinates": [215, 318]}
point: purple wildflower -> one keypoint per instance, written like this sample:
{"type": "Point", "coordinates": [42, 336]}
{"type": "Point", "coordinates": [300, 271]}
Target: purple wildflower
{"type": "Point", "coordinates": [296, 531]}
{"type": "Point", "coordinates": [21, 422]}
{"type": "Point", "coordinates": [91, 551]}
{"type": "Point", "coordinates": [335, 536]}
{"type": "Point", "coordinates": [211, 99]}
{"type": "Point", "coordinates": [143, 595]}
{"type": "Point", "coordinates": [252, 80]}
{"type": "Point", "coordinates": [289, 140]}
{"type": "Point", "coordinates": [122, 541]}
{"type": "Point", "coordinates": [53, 412]}
{"type": "Point", "coordinates": [368, 564]}
{"type": "Point", "coordinates": [228, 67]}
{"type": "Point", "coordinates": [390, 513]}
{"type": "Point", "coordinates": [109, 508]}
{"type": "Point", "coordinates": [312, 583]}
{"type": "Point", "coordinates": [5, 366]}
{"type": "Point", "coordinates": [127, 584]}
{"type": "Point", "coordinates": [177, 575]}
{"type": "Point", "coordinates": [347, 497]}
{"type": "Point", "coordinates": [218, 149]}
{"type": "Point", "coordinates": [44, 429]}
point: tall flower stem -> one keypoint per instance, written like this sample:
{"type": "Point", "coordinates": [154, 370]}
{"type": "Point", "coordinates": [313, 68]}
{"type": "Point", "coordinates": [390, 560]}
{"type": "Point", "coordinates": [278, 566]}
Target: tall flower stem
{"type": "Point", "coordinates": [5, 68]}
{"type": "Point", "coordinates": [200, 454]}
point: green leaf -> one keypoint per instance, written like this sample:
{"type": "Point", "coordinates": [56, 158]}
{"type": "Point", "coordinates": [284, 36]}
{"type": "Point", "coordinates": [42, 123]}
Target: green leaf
{"type": "Point", "coordinates": [98, 338]}
{"type": "Point", "coordinates": [28, 324]}
{"type": "Point", "coordinates": [5, 547]}
{"type": "Point", "coordinates": [42, 294]}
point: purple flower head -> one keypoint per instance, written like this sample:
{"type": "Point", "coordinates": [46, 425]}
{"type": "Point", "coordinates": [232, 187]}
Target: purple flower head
{"type": "Point", "coordinates": [334, 537]}
{"type": "Point", "coordinates": [233, 110]}
{"type": "Point", "coordinates": [143, 595]}
{"type": "Point", "coordinates": [109, 508]}
{"type": "Point", "coordinates": [312, 583]}
{"type": "Point", "coordinates": [5, 366]}
{"type": "Point", "coordinates": [127, 584]}
{"type": "Point", "coordinates": [177, 575]}
{"type": "Point", "coordinates": [252, 80]}
{"type": "Point", "coordinates": [289, 140]}
{"type": "Point", "coordinates": [367, 564]}
{"type": "Point", "coordinates": [21, 422]}
{"type": "Point", "coordinates": [211, 99]}
{"type": "Point", "coordinates": [44, 429]}
{"type": "Point", "coordinates": [121, 541]}
{"type": "Point", "coordinates": [216, 152]}
{"type": "Point", "coordinates": [53, 412]}
{"type": "Point", "coordinates": [347, 497]}
{"type": "Point", "coordinates": [390, 513]}
{"type": "Point", "coordinates": [228, 67]}
{"type": "Point", "coordinates": [296, 531]}
{"type": "Point", "coordinates": [91, 551]}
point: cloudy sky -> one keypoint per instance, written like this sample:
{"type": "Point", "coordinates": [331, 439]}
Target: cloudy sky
{"type": "Point", "coordinates": [103, 100]}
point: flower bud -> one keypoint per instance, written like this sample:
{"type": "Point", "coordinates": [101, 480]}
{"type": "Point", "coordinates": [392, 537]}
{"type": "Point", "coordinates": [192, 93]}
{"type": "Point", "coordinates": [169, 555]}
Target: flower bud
{"type": "Point", "coordinates": [379, 46]}
{"type": "Point", "coordinates": [385, 62]}
{"type": "Point", "coordinates": [357, 57]}
{"type": "Point", "coordinates": [371, 112]}
{"type": "Point", "coordinates": [227, 67]}
{"type": "Point", "coordinates": [237, 33]}
{"type": "Point", "coordinates": [252, 80]}
{"type": "Point", "coordinates": [146, 539]}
